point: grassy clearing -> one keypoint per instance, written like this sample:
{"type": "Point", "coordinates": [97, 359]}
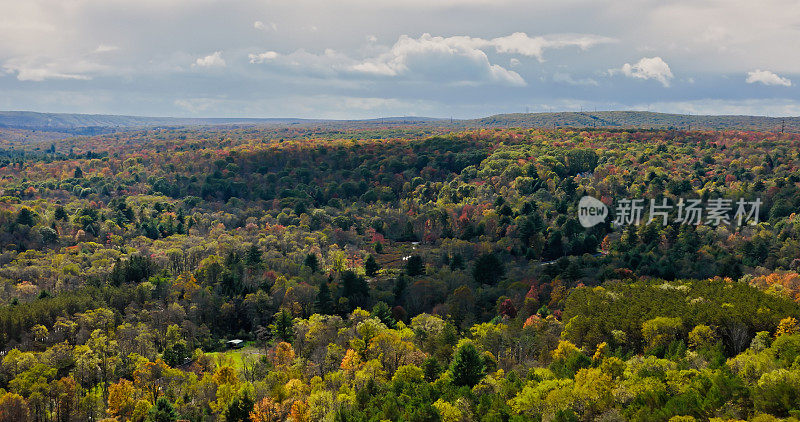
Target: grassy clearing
{"type": "Point", "coordinates": [236, 356]}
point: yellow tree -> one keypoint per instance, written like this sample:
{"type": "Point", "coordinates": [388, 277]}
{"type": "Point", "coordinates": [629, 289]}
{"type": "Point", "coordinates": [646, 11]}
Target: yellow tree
{"type": "Point", "coordinates": [13, 408]}
{"type": "Point", "coordinates": [149, 376]}
{"type": "Point", "coordinates": [266, 410]}
{"type": "Point", "coordinates": [787, 325]}
{"type": "Point", "coordinates": [121, 399]}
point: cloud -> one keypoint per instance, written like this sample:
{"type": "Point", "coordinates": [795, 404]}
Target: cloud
{"type": "Point", "coordinates": [37, 69]}
{"type": "Point", "coordinates": [463, 57]}
{"type": "Point", "coordinates": [767, 78]}
{"type": "Point", "coordinates": [521, 43]}
{"type": "Point", "coordinates": [327, 67]}
{"type": "Point", "coordinates": [648, 68]}
{"type": "Point", "coordinates": [456, 60]}
{"type": "Point", "coordinates": [265, 26]}
{"type": "Point", "coordinates": [212, 60]}
{"type": "Point", "coordinates": [262, 57]}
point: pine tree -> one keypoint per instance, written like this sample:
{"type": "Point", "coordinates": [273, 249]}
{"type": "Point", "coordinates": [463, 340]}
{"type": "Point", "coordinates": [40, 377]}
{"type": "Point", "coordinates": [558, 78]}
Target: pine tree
{"type": "Point", "coordinates": [382, 312]}
{"type": "Point", "coordinates": [354, 287]}
{"type": "Point", "coordinates": [312, 262]}
{"type": "Point", "coordinates": [399, 289]}
{"type": "Point", "coordinates": [240, 408]}
{"type": "Point", "coordinates": [162, 411]}
{"type": "Point", "coordinates": [415, 266]}
{"type": "Point", "coordinates": [467, 365]}
{"type": "Point", "coordinates": [282, 329]}
{"type": "Point", "coordinates": [371, 266]}
{"type": "Point", "coordinates": [324, 301]}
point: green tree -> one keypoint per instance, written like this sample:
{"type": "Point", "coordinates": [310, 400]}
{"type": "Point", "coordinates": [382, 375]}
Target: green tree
{"type": "Point", "coordinates": [488, 269]}
{"type": "Point", "coordinates": [467, 365]}
{"type": "Point", "coordinates": [354, 287]}
{"type": "Point", "coordinates": [415, 266]}
{"type": "Point", "coordinates": [311, 261]}
{"type": "Point", "coordinates": [239, 409]}
{"type": "Point", "coordinates": [431, 369]}
{"type": "Point", "coordinates": [283, 327]}
{"type": "Point", "coordinates": [26, 217]}
{"type": "Point", "coordinates": [382, 312]}
{"type": "Point", "coordinates": [660, 331]}
{"type": "Point", "coordinates": [162, 411]}
{"type": "Point", "coordinates": [371, 267]}
{"type": "Point", "coordinates": [324, 302]}
{"type": "Point", "coordinates": [60, 213]}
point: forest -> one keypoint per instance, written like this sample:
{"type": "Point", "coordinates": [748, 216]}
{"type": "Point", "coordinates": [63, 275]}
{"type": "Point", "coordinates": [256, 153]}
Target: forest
{"type": "Point", "coordinates": [398, 273]}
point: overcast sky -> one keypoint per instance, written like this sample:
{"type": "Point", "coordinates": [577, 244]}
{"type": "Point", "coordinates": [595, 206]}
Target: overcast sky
{"type": "Point", "coordinates": [372, 58]}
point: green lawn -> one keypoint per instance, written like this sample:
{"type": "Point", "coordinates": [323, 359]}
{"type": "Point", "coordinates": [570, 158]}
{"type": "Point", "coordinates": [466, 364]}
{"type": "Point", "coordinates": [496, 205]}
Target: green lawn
{"type": "Point", "coordinates": [236, 355]}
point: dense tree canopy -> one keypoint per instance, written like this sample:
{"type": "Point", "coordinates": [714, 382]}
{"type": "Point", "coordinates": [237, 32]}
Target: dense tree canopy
{"type": "Point", "coordinates": [396, 274]}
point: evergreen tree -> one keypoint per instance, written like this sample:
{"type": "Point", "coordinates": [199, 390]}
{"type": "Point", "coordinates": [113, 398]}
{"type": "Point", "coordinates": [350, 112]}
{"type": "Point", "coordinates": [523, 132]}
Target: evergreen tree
{"type": "Point", "coordinates": [26, 217]}
{"type": "Point", "coordinates": [467, 366]}
{"type": "Point", "coordinates": [399, 289]}
{"type": "Point", "coordinates": [415, 266]}
{"type": "Point", "coordinates": [282, 329]}
{"type": "Point", "coordinates": [488, 269]}
{"type": "Point", "coordinates": [240, 408]}
{"type": "Point", "coordinates": [312, 262]}
{"type": "Point", "coordinates": [431, 369]}
{"type": "Point", "coordinates": [60, 213]}
{"type": "Point", "coordinates": [371, 267]}
{"type": "Point", "coordinates": [162, 411]}
{"type": "Point", "coordinates": [354, 288]}
{"type": "Point", "coordinates": [253, 255]}
{"type": "Point", "coordinates": [382, 312]}
{"type": "Point", "coordinates": [324, 302]}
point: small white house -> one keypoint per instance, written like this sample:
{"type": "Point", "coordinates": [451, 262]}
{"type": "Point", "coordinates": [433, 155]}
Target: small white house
{"type": "Point", "coordinates": [235, 344]}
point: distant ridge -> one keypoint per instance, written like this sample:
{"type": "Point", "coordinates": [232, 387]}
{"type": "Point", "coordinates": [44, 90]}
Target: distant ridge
{"type": "Point", "coordinates": [90, 124]}
{"type": "Point", "coordinates": [101, 122]}
{"type": "Point", "coordinates": [640, 120]}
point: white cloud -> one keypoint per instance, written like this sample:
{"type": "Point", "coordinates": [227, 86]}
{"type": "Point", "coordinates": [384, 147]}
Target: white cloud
{"type": "Point", "coordinates": [262, 57]}
{"type": "Point", "coordinates": [648, 68]}
{"type": "Point", "coordinates": [262, 26]}
{"type": "Point", "coordinates": [212, 60]}
{"type": "Point", "coordinates": [521, 43]}
{"type": "Point", "coordinates": [38, 69]}
{"type": "Point", "coordinates": [767, 78]}
{"type": "Point", "coordinates": [456, 60]}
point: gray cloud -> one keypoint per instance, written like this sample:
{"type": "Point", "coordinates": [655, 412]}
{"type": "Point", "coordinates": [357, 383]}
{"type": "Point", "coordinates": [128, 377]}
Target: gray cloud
{"type": "Point", "coordinates": [450, 57]}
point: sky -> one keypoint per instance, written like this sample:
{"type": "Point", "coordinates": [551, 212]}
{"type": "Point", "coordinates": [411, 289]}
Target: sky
{"type": "Point", "coordinates": [376, 58]}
